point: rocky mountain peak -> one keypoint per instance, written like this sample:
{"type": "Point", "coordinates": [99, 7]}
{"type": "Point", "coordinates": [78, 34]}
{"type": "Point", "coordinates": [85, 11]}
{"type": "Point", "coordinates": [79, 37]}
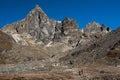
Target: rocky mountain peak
{"type": "Point", "coordinates": [38, 12]}
{"type": "Point", "coordinates": [36, 24]}
{"type": "Point", "coordinates": [38, 8]}
{"type": "Point", "coordinates": [37, 16]}
{"type": "Point", "coordinates": [94, 27]}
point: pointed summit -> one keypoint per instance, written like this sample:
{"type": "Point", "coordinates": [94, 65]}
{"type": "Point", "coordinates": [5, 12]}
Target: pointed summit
{"type": "Point", "coordinates": [37, 15]}
{"type": "Point", "coordinates": [36, 23]}
{"type": "Point", "coordinates": [37, 7]}
{"type": "Point", "coordinates": [38, 10]}
{"type": "Point", "coordinates": [92, 27]}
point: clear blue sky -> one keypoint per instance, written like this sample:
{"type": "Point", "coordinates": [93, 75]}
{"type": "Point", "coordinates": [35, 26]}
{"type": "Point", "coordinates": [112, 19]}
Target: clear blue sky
{"type": "Point", "coordinates": [83, 11]}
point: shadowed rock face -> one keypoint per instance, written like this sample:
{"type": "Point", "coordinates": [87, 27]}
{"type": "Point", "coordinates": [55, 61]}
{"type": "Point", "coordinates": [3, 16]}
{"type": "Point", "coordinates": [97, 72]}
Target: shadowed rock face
{"type": "Point", "coordinates": [6, 41]}
{"type": "Point", "coordinates": [68, 26]}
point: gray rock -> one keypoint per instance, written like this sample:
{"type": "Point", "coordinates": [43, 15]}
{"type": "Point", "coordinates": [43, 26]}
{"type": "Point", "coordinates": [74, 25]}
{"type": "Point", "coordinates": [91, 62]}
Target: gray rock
{"type": "Point", "coordinates": [68, 26]}
{"type": "Point", "coordinates": [94, 27]}
{"type": "Point", "coordinates": [36, 24]}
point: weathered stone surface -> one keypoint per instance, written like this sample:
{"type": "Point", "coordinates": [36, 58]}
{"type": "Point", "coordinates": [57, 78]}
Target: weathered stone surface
{"type": "Point", "coordinates": [6, 41]}
{"type": "Point", "coordinates": [94, 27]}
{"type": "Point", "coordinates": [107, 47]}
{"type": "Point", "coordinates": [39, 25]}
{"type": "Point", "coordinates": [57, 35]}
{"type": "Point", "coordinates": [68, 26]}
{"type": "Point", "coordinates": [36, 23]}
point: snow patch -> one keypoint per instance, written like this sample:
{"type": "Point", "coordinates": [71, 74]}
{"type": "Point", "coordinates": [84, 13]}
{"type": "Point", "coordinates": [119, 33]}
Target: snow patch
{"type": "Point", "coordinates": [82, 30]}
{"type": "Point", "coordinates": [59, 21]}
{"type": "Point", "coordinates": [49, 44]}
{"type": "Point", "coordinates": [19, 39]}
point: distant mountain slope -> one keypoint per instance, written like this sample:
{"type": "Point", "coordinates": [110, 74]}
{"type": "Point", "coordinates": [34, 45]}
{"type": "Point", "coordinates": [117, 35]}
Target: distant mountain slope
{"type": "Point", "coordinates": [105, 50]}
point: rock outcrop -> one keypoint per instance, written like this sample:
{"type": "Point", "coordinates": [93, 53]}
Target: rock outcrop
{"type": "Point", "coordinates": [94, 27]}
{"type": "Point", "coordinates": [68, 26]}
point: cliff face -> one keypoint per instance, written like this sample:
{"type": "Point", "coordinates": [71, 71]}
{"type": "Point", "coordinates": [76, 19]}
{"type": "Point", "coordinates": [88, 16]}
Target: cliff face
{"type": "Point", "coordinates": [68, 26]}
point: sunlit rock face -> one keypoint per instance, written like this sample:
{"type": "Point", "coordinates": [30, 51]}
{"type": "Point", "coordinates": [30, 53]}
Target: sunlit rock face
{"type": "Point", "coordinates": [94, 27]}
{"type": "Point", "coordinates": [39, 25]}
{"type": "Point", "coordinates": [68, 26]}
{"type": "Point", "coordinates": [65, 28]}
{"type": "Point", "coordinates": [36, 23]}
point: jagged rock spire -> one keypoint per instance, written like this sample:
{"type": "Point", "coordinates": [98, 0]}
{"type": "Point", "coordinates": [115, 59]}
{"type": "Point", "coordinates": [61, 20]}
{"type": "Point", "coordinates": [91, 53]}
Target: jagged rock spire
{"type": "Point", "coordinates": [38, 8]}
{"type": "Point", "coordinates": [92, 26]}
{"type": "Point", "coordinates": [69, 25]}
{"type": "Point", "coordinates": [38, 11]}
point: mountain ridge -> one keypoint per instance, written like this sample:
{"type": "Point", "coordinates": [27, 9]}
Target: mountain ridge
{"type": "Point", "coordinates": [38, 25]}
